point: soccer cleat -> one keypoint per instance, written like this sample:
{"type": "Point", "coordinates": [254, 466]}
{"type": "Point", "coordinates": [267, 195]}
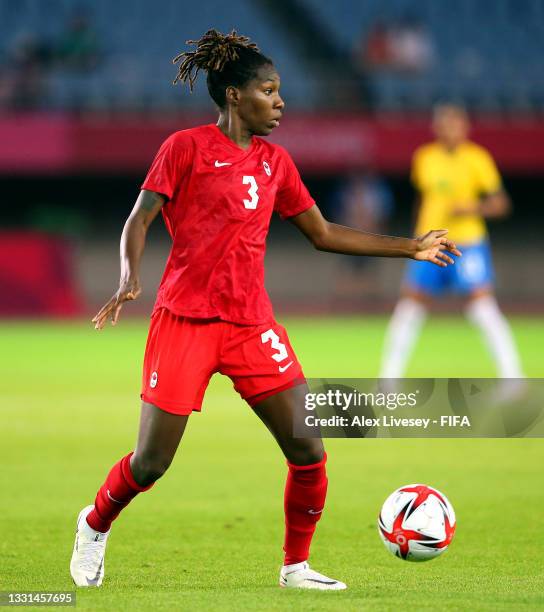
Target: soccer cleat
{"type": "Point", "coordinates": [87, 564]}
{"type": "Point", "coordinates": [300, 576]}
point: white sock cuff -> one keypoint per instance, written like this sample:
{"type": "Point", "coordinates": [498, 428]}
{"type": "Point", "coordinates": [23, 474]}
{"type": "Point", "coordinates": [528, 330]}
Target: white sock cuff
{"type": "Point", "coordinates": [411, 309]}
{"type": "Point", "coordinates": [401, 334]}
{"type": "Point", "coordinates": [294, 567]}
{"type": "Point", "coordinates": [480, 308]}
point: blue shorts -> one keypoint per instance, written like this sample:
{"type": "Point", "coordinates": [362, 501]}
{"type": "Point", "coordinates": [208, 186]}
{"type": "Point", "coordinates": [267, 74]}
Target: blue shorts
{"type": "Point", "coordinates": [472, 271]}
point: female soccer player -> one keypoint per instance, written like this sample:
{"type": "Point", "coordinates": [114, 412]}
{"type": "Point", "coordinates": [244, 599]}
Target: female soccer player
{"type": "Point", "coordinates": [217, 186]}
{"type": "Point", "coordinates": [459, 186]}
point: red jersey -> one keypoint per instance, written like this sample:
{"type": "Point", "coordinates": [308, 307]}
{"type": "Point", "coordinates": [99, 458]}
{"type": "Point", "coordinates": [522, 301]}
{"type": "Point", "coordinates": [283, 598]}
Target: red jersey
{"type": "Point", "coordinates": [220, 201]}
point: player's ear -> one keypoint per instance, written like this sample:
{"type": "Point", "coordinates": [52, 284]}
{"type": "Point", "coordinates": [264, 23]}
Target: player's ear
{"type": "Point", "coordinates": [232, 94]}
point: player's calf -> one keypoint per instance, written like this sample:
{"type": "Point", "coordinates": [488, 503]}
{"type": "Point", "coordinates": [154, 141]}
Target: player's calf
{"type": "Point", "coordinates": [147, 469]}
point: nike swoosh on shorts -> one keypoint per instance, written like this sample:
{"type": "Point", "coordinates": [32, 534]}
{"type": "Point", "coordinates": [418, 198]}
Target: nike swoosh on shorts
{"type": "Point", "coordinates": [283, 368]}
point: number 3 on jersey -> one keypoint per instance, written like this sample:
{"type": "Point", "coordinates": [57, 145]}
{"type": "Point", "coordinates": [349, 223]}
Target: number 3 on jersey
{"type": "Point", "coordinates": [271, 336]}
{"type": "Point", "coordinates": [252, 191]}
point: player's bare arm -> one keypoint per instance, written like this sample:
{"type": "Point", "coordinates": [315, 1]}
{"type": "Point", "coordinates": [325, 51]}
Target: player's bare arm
{"type": "Point", "coordinates": [334, 238]}
{"type": "Point", "coordinates": [145, 209]}
{"type": "Point", "coordinates": [495, 205]}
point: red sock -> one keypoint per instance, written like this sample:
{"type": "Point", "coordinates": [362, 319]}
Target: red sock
{"type": "Point", "coordinates": [305, 493]}
{"type": "Point", "coordinates": [116, 493]}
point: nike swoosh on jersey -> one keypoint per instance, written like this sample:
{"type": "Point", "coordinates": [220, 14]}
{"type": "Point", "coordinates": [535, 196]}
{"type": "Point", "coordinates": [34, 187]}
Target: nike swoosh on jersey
{"type": "Point", "coordinates": [218, 164]}
{"type": "Point", "coordinates": [283, 368]}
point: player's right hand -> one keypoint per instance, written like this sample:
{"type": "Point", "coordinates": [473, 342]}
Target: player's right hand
{"type": "Point", "coordinates": [129, 290]}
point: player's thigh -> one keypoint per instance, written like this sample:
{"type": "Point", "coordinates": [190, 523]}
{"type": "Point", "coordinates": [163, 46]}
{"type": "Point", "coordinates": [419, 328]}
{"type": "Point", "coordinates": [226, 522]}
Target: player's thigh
{"type": "Point", "coordinates": [260, 360]}
{"type": "Point", "coordinates": [180, 358]}
{"type": "Point", "coordinates": [265, 371]}
{"type": "Point", "coordinates": [279, 413]}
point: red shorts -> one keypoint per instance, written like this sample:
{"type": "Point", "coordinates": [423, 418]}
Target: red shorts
{"type": "Point", "coordinates": [182, 354]}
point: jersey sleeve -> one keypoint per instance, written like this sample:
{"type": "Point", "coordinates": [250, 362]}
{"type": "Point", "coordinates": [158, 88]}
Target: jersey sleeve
{"type": "Point", "coordinates": [487, 176]}
{"type": "Point", "coordinates": [168, 167]}
{"type": "Point", "coordinates": [292, 197]}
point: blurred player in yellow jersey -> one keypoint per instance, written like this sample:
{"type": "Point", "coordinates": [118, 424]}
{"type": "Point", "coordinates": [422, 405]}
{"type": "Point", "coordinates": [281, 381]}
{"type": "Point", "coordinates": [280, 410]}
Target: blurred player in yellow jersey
{"type": "Point", "coordinates": [459, 187]}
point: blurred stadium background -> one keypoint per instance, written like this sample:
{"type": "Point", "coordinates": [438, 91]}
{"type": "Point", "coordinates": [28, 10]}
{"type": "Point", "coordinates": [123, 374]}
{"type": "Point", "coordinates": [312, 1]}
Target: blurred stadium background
{"type": "Point", "coordinates": [86, 99]}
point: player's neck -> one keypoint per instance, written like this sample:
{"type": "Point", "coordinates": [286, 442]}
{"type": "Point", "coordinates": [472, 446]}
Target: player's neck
{"type": "Point", "coordinates": [232, 127]}
{"type": "Point", "coordinates": [450, 147]}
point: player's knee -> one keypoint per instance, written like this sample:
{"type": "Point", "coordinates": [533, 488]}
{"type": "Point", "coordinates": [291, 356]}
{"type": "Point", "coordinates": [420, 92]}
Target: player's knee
{"type": "Point", "coordinates": [149, 467]}
{"type": "Point", "coordinates": [306, 452]}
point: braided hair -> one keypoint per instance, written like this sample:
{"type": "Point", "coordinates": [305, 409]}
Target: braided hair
{"type": "Point", "coordinates": [228, 60]}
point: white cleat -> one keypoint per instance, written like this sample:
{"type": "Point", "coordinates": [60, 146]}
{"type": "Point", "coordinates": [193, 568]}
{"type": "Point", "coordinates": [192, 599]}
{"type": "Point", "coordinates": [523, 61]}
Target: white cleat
{"type": "Point", "coordinates": [87, 564]}
{"type": "Point", "coordinates": [300, 576]}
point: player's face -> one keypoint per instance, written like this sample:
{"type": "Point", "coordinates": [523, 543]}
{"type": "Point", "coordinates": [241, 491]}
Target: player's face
{"type": "Point", "coordinates": [450, 126]}
{"type": "Point", "coordinates": [260, 106]}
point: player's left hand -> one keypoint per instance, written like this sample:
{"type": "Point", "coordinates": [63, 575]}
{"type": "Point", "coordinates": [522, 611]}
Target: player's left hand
{"type": "Point", "coordinates": [433, 246]}
{"type": "Point", "coordinates": [465, 210]}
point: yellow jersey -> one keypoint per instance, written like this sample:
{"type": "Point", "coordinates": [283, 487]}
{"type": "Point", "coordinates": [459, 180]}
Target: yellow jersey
{"type": "Point", "coordinates": [449, 180]}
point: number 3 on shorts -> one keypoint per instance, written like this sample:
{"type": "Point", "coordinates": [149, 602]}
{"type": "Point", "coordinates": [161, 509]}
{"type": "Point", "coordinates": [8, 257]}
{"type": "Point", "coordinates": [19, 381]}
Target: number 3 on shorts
{"type": "Point", "coordinates": [252, 191]}
{"type": "Point", "coordinates": [272, 337]}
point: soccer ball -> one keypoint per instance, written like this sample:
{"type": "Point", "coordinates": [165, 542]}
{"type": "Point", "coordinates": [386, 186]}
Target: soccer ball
{"type": "Point", "coordinates": [416, 523]}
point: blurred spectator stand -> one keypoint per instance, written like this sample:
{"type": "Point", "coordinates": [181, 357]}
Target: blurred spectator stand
{"type": "Point", "coordinates": [37, 276]}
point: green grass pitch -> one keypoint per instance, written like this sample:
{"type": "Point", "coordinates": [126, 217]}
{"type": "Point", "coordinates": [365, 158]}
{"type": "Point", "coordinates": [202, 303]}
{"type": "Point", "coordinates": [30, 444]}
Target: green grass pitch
{"type": "Point", "coordinates": [208, 537]}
